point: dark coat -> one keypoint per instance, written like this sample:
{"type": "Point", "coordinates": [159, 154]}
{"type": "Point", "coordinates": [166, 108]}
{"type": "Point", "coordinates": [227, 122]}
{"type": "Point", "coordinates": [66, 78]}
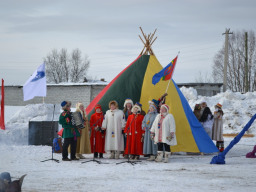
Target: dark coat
{"type": "Point", "coordinates": [205, 114]}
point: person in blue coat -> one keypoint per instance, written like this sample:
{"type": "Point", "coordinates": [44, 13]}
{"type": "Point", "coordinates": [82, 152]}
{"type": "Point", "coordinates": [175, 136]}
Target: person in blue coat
{"type": "Point", "coordinates": [149, 147]}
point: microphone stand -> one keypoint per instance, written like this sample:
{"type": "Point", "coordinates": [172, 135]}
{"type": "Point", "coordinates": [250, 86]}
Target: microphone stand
{"type": "Point", "coordinates": [128, 138]}
{"type": "Point", "coordinates": [94, 143]}
{"type": "Point", "coordinates": [52, 159]}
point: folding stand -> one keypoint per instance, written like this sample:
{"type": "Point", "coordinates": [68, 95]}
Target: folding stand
{"type": "Point", "coordinates": [52, 159]}
{"type": "Point", "coordinates": [128, 138]}
{"type": "Point", "coordinates": [94, 143]}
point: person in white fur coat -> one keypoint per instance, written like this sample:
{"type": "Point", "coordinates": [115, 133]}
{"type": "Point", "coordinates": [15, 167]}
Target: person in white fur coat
{"type": "Point", "coordinates": [163, 133]}
{"type": "Point", "coordinates": [114, 123]}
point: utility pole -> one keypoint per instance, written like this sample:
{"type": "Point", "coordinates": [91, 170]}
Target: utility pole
{"type": "Point", "coordinates": [225, 59]}
{"type": "Point", "coordinates": [246, 63]}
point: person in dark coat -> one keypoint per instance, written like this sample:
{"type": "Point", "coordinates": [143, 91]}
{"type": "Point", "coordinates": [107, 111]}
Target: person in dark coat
{"type": "Point", "coordinates": [206, 118]}
{"type": "Point", "coordinates": [70, 132]}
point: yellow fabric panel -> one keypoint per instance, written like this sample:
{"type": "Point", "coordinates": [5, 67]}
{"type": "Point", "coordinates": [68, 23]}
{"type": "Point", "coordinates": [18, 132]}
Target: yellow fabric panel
{"type": "Point", "coordinates": [185, 139]}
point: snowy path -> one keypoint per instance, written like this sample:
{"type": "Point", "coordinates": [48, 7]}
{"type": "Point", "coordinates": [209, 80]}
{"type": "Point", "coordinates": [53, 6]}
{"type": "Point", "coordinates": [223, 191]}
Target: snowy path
{"type": "Point", "coordinates": [183, 173]}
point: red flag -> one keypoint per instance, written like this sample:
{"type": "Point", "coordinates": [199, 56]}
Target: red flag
{"type": "Point", "coordinates": [2, 125]}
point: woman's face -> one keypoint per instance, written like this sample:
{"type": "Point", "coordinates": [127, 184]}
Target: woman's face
{"type": "Point", "coordinates": [112, 107]}
{"type": "Point", "coordinates": [135, 110]}
{"type": "Point", "coordinates": [129, 105]}
{"type": "Point", "coordinates": [203, 105]}
{"type": "Point", "coordinates": [163, 110]}
{"type": "Point", "coordinates": [98, 110]}
{"type": "Point", "coordinates": [81, 107]}
{"type": "Point", "coordinates": [151, 109]}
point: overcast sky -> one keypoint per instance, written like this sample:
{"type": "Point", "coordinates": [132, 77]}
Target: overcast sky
{"type": "Point", "coordinates": [107, 31]}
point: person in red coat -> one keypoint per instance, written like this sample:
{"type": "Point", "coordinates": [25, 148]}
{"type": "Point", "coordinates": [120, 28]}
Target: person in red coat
{"type": "Point", "coordinates": [133, 129]}
{"type": "Point", "coordinates": [97, 132]}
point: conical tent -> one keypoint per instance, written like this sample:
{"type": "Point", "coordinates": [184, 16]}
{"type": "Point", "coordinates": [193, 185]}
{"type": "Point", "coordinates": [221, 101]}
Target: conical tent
{"type": "Point", "coordinates": [135, 82]}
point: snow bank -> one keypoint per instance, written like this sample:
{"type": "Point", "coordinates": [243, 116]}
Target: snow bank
{"type": "Point", "coordinates": [16, 132]}
{"type": "Point", "coordinates": [238, 108]}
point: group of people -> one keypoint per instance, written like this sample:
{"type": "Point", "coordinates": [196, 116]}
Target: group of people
{"type": "Point", "coordinates": [130, 132]}
{"type": "Point", "coordinates": [212, 123]}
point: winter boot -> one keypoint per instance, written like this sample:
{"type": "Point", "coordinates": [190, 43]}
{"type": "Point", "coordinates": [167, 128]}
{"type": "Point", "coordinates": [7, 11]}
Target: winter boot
{"type": "Point", "coordinates": [101, 155]}
{"type": "Point", "coordinates": [77, 156]}
{"type": "Point", "coordinates": [221, 146]}
{"type": "Point", "coordinates": [166, 156]}
{"type": "Point", "coordinates": [80, 156]}
{"type": "Point", "coordinates": [126, 156]}
{"type": "Point", "coordinates": [95, 155]}
{"type": "Point", "coordinates": [151, 158]}
{"type": "Point", "coordinates": [218, 145]}
{"type": "Point", "coordinates": [117, 154]}
{"type": "Point", "coordinates": [112, 155]}
{"type": "Point", "coordinates": [159, 157]}
{"type": "Point", "coordinates": [137, 157]}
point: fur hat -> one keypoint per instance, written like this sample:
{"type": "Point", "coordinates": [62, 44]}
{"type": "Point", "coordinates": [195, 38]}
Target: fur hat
{"type": "Point", "coordinates": [153, 106]}
{"type": "Point", "coordinates": [218, 105]}
{"type": "Point", "coordinates": [113, 102]}
{"type": "Point", "coordinates": [203, 102]}
{"type": "Point", "coordinates": [65, 104]}
{"type": "Point", "coordinates": [136, 106]}
{"type": "Point", "coordinates": [137, 103]}
{"type": "Point", "coordinates": [128, 101]}
{"type": "Point", "coordinates": [166, 107]}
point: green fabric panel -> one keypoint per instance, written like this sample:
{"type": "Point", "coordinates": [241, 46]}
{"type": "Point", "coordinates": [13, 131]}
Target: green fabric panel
{"type": "Point", "coordinates": [128, 85]}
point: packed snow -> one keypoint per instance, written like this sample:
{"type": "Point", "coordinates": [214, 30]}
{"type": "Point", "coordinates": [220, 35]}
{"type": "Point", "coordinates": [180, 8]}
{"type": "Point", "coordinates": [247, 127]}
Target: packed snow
{"type": "Point", "coordinates": [183, 172]}
{"type": "Point", "coordinates": [238, 108]}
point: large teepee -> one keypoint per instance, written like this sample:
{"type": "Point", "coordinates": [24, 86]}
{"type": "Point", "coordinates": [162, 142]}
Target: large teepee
{"type": "Point", "coordinates": [135, 82]}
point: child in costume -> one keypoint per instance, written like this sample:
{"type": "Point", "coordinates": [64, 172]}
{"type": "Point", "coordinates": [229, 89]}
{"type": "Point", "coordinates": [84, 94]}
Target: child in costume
{"type": "Point", "coordinates": [97, 134]}
{"type": "Point", "coordinates": [133, 129]}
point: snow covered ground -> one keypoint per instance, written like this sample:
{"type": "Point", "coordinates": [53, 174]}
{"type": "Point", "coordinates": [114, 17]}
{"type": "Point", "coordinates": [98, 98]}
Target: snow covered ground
{"type": "Point", "coordinates": [183, 173]}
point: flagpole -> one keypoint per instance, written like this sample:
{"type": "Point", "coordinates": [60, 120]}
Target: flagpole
{"type": "Point", "coordinates": [171, 77]}
{"type": "Point", "coordinates": [168, 86]}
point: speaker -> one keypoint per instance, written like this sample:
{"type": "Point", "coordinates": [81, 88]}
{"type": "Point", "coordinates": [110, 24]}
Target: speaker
{"type": "Point", "coordinates": [42, 132]}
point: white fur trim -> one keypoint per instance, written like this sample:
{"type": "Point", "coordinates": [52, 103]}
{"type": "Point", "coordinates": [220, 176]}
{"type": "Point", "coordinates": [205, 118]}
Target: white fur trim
{"type": "Point", "coordinates": [136, 106]}
{"type": "Point", "coordinates": [165, 108]}
{"type": "Point", "coordinates": [128, 101]}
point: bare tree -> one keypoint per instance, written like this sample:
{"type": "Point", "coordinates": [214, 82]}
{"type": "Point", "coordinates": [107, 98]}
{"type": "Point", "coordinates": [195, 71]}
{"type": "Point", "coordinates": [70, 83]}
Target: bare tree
{"type": "Point", "coordinates": [203, 78]}
{"type": "Point", "coordinates": [79, 66]}
{"type": "Point", "coordinates": [53, 67]}
{"type": "Point", "coordinates": [63, 67]}
{"type": "Point", "coordinates": [64, 64]}
{"type": "Point", "coordinates": [236, 69]}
